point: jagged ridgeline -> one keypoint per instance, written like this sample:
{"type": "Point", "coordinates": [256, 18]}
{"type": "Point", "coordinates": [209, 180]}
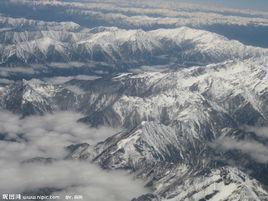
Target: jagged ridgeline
{"type": "Point", "coordinates": [187, 89]}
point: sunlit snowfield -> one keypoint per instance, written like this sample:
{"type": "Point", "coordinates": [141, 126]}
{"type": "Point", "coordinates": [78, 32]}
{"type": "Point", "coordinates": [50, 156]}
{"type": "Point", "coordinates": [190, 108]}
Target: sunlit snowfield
{"type": "Point", "coordinates": [133, 100]}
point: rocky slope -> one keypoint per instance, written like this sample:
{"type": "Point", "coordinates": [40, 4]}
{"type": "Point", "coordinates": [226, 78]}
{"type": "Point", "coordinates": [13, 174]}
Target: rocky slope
{"type": "Point", "coordinates": [188, 100]}
{"type": "Point", "coordinates": [121, 49]}
{"type": "Point", "coordinates": [173, 121]}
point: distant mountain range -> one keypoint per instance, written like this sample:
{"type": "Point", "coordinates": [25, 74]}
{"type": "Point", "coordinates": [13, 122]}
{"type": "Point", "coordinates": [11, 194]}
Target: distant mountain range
{"type": "Point", "coordinates": [121, 48]}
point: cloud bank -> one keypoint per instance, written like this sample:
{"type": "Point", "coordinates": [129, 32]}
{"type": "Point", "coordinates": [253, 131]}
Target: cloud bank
{"type": "Point", "coordinates": [256, 150]}
{"type": "Point", "coordinates": [260, 131]}
{"type": "Point", "coordinates": [46, 136]}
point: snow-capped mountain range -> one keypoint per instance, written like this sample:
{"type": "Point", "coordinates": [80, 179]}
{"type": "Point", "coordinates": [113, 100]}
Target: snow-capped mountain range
{"type": "Point", "coordinates": [186, 98]}
{"type": "Point", "coordinates": [233, 23]}
{"type": "Point", "coordinates": [171, 119]}
{"type": "Point", "coordinates": [122, 48]}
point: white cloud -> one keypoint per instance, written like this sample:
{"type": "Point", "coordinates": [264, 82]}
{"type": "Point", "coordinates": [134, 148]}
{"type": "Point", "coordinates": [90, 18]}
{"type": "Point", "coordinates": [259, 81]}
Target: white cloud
{"type": "Point", "coordinates": [62, 127]}
{"type": "Point", "coordinates": [254, 149]}
{"type": "Point", "coordinates": [260, 131]}
{"type": "Point", "coordinates": [75, 177]}
{"type": "Point", "coordinates": [7, 71]}
{"type": "Point", "coordinates": [63, 79]}
{"type": "Point", "coordinates": [46, 136]}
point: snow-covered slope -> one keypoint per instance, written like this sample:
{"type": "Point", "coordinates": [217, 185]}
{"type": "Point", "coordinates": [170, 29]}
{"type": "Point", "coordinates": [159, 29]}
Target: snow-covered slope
{"type": "Point", "coordinates": [220, 90]}
{"type": "Point", "coordinates": [171, 121]}
{"type": "Point", "coordinates": [35, 97]}
{"type": "Point", "coordinates": [119, 48]}
{"type": "Point", "coordinates": [222, 184]}
{"type": "Point", "coordinates": [147, 14]}
{"type": "Point", "coordinates": [185, 98]}
{"type": "Point", "coordinates": [194, 107]}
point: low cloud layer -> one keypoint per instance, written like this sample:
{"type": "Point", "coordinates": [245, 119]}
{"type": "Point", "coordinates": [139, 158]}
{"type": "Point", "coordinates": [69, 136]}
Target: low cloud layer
{"type": "Point", "coordinates": [49, 134]}
{"type": "Point", "coordinates": [74, 177]}
{"type": "Point", "coordinates": [62, 79]}
{"type": "Point", "coordinates": [254, 149]}
{"type": "Point", "coordinates": [260, 131]}
{"type": "Point", "coordinates": [46, 136]}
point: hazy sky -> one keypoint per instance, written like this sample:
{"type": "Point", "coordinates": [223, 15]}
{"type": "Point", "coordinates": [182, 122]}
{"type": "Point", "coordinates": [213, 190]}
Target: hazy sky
{"type": "Point", "coordinates": [253, 4]}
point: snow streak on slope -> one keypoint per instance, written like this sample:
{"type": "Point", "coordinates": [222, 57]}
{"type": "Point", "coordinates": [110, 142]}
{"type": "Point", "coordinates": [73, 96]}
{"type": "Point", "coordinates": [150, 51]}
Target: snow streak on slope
{"type": "Point", "coordinates": [182, 46]}
{"type": "Point", "coordinates": [236, 24]}
{"type": "Point", "coordinates": [171, 119]}
{"type": "Point", "coordinates": [183, 92]}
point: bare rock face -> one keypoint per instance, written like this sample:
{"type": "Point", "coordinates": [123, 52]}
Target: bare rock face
{"type": "Point", "coordinates": [185, 97]}
{"type": "Point", "coordinates": [175, 150]}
